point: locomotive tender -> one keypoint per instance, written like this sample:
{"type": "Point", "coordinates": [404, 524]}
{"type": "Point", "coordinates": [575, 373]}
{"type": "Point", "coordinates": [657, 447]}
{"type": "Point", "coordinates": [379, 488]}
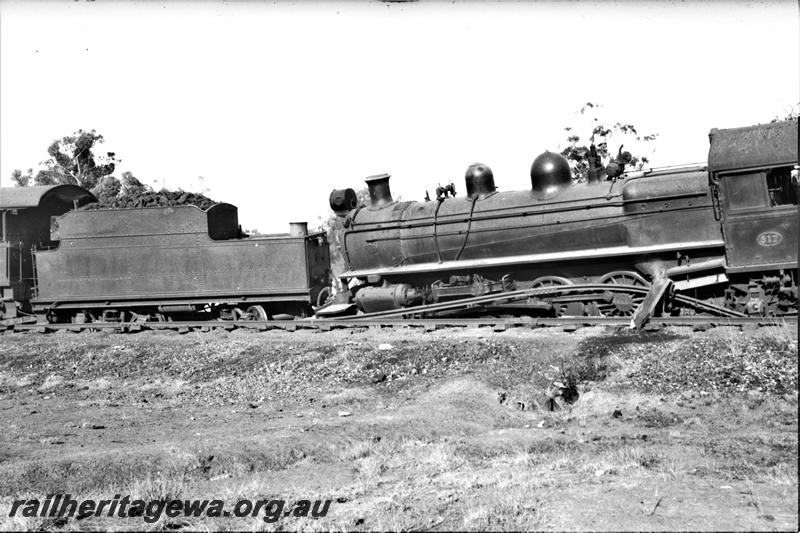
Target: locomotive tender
{"type": "Point", "coordinates": [150, 263]}
{"type": "Point", "coordinates": [725, 233]}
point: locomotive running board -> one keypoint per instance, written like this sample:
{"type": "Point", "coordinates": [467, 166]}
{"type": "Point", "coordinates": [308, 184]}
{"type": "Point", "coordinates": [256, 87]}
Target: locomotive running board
{"type": "Point", "coordinates": [467, 264]}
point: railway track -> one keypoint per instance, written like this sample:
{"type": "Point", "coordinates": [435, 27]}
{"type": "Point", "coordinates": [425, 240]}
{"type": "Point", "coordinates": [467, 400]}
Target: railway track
{"type": "Point", "coordinates": [423, 324]}
{"type": "Point", "coordinates": [437, 316]}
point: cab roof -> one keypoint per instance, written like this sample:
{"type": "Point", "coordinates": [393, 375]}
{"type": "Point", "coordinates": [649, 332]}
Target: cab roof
{"type": "Point", "coordinates": [26, 197]}
{"type": "Point", "coordinates": [762, 145]}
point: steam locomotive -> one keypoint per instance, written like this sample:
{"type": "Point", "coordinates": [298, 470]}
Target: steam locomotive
{"type": "Point", "coordinates": [725, 233]}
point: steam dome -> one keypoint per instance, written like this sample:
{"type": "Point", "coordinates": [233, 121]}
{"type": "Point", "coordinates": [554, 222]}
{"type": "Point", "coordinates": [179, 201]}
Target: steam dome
{"type": "Point", "coordinates": [479, 180]}
{"type": "Point", "coordinates": [550, 172]}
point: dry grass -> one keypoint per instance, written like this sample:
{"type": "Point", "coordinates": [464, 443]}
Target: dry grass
{"type": "Point", "coordinates": [434, 450]}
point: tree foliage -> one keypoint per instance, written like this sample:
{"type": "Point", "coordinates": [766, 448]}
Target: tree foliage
{"type": "Point", "coordinates": [791, 114]}
{"type": "Point", "coordinates": [608, 139]}
{"type": "Point", "coordinates": [72, 161]}
{"type": "Point", "coordinates": [20, 179]}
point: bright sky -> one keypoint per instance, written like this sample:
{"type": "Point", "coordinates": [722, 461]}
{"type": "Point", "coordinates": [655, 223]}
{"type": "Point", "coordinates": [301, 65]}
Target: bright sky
{"type": "Point", "coordinates": [277, 103]}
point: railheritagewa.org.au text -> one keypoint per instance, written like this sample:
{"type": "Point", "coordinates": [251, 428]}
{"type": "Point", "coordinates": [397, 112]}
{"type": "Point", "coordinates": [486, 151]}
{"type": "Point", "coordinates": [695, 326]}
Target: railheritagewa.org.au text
{"type": "Point", "coordinates": [64, 505]}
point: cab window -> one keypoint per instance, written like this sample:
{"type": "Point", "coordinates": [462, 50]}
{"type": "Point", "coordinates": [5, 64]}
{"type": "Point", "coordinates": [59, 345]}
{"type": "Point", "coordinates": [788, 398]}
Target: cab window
{"type": "Point", "coordinates": [746, 191]}
{"type": "Point", "coordinates": [774, 187]}
{"type": "Point", "coordinates": [782, 186]}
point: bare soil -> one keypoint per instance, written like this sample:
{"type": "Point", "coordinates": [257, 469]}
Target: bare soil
{"type": "Point", "coordinates": [407, 430]}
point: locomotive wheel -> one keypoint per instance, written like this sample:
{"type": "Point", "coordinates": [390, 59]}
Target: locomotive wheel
{"type": "Point", "coordinates": [549, 281]}
{"type": "Point", "coordinates": [618, 303]}
{"type": "Point", "coordinates": [621, 304]}
{"type": "Point", "coordinates": [552, 281]}
{"type": "Point", "coordinates": [624, 304]}
{"type": "Point", "coordinates": [624, 277]}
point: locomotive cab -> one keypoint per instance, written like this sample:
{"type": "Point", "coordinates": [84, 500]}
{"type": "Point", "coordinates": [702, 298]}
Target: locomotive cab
{"type": "Point", "coordinates": [753, 173]}
{"type": "Point", "coordinates": [26, 215]}
{"type": "Point", "coordinates": [753, 177]}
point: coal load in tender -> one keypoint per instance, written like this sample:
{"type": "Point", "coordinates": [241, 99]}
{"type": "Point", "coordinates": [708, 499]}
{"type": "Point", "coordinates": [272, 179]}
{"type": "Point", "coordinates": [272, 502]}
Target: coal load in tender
{"type": "Point", "coordinates": [157, 199]}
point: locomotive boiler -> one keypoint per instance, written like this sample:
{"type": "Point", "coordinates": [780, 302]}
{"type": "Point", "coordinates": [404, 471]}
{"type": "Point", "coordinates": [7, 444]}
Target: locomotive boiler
{"type": "Point", "coordinates": [725, 233]}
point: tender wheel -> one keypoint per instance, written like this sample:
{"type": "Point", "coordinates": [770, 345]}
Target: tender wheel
{"type": "Point", "coordinates": [8, 309]}
{"type": "Point", "coordinates": [83, 317]}
{"type": "Point", "coordinates": [324, 297]}
{"type": "Point", "coordinates": [254, 312]}
{"type": "Point", "coordinates": [52, 316]}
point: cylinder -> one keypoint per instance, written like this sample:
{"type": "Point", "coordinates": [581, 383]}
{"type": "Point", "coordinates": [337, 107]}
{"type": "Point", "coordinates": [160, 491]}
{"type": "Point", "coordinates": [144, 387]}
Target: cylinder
{"type": "Point", "coordinates": [374, 299]}
{"type": "Point", "coordinates": [298, 229]}
{"type": "Point", "coordinates": [380, 195]}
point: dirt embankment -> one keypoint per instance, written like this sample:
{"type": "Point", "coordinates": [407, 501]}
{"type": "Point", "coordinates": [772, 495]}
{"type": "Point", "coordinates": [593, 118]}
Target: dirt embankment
{"type": "Point", "coordinates": [598, 429]}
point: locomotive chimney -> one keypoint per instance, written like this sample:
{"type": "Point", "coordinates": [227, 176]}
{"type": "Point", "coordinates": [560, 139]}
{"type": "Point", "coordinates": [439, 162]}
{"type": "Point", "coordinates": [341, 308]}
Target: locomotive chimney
{"type": "Point", "coordinates": [480, 180]}
{"type": "Point", "coordinates": [379, 193]}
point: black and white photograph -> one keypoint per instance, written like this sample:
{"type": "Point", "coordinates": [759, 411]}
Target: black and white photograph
{"type": "Point", "coordinates": [399, 265]}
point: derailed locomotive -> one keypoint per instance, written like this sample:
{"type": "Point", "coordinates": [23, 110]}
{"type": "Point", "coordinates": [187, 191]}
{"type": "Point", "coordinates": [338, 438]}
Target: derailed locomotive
{"type": "Point", "coordinates": [150, 263]}
{"type": "Point", "coordinates": [725, 234]}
